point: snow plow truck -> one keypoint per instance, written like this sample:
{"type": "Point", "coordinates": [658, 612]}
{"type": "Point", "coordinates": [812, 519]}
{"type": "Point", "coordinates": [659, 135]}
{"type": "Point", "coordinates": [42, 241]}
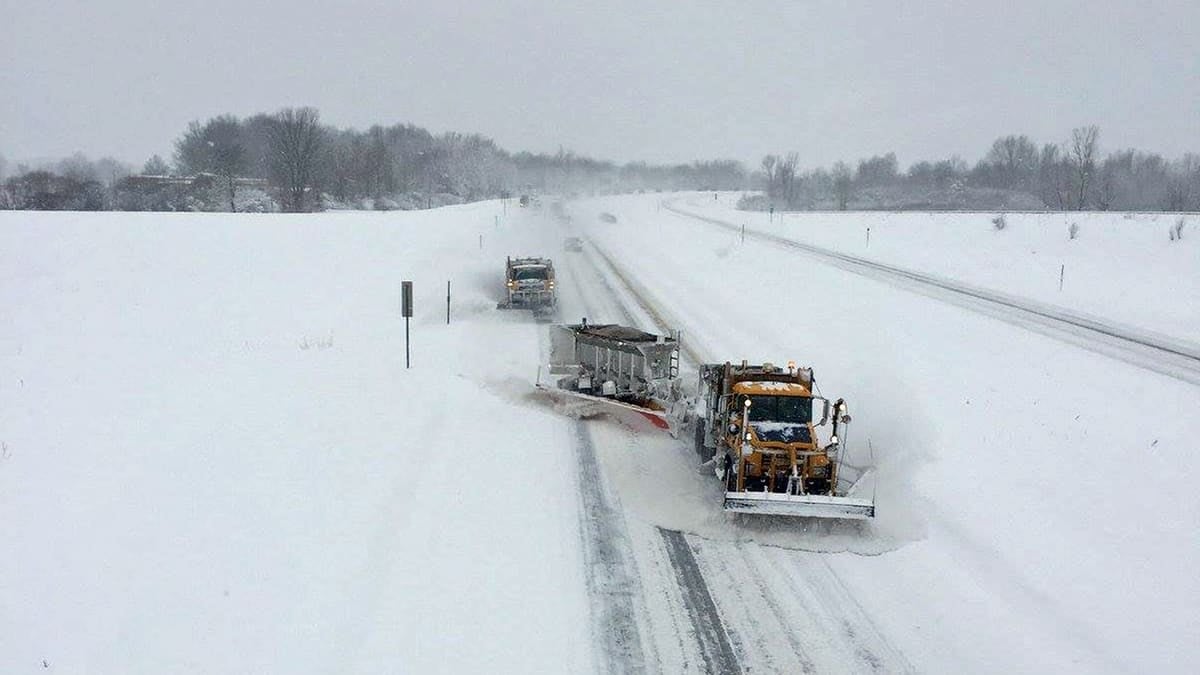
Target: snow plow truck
{"type": "Point", "coordinates": [529, 284]}
{"type": "Point", "coordinates": [759, 425]}
{"type": "Point", "coordinates": [627, 372]}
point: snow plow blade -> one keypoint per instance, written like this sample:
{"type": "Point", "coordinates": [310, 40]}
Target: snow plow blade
{"type": "Point", "coordinates": [584, 405]}
{"type": "Point", "coordinates": [806, 506]}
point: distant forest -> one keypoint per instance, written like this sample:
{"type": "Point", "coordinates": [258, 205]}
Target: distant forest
{"type": "Point", "coordinates": [291, 161]}
{"type": "Point", "coordinates": [1014, 174]}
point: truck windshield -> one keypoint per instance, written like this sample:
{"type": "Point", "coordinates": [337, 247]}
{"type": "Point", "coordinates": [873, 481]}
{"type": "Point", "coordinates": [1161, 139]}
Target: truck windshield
{"type": "Point", "coordinates": [522, 273]}
{"type": "Point", "coordinates": [791, 409]}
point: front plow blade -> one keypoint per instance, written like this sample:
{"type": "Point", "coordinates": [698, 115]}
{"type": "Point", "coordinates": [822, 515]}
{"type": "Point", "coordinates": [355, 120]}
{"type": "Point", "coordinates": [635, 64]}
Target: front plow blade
{"type": "Point", "coordinates": [806, 506]}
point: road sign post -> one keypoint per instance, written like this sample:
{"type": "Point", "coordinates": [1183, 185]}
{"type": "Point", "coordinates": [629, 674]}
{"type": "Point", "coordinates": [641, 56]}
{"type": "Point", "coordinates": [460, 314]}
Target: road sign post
{"type": "Point", "coordinates": [406, 310]}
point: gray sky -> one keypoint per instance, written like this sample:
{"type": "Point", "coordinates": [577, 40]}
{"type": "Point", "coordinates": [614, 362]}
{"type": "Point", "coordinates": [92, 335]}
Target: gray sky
{"type": "Point", "coordinates": [621, 79]}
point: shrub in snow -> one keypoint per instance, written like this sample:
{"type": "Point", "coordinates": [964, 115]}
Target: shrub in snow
{"type": "Point", "coordinates": [320, 344]}
{"type": "Point", "coordinates": [1176, 230]}
{"type": "Point", "coordinates": [1073, 231]}
{"type": "Point", "coordinates": [752, 202]}
{"type": "Point", "coordinates": [999, 222]}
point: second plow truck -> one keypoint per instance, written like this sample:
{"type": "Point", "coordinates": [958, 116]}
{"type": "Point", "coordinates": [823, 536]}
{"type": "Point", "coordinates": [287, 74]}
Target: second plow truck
{"type": "Point", "coordinates": [760, 424]}
{"type": "Point", "coordinates": [623, 371]}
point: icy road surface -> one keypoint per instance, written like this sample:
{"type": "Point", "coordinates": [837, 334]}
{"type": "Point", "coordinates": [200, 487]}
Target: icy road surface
{"type": "Point", "coordinates": [214, 460]}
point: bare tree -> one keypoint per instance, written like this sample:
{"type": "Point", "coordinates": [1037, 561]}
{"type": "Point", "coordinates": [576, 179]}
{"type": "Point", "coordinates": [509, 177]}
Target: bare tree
{"type": "Point", "coordinates": [785, 175]}
{"type": "Point", "coordinates": [214, 147]}
{"type": "Point", "coordinates": [295, 144]}
{"type": "Point", "coordinates": [843, 184]}
{"type": "Point", "coordinates": [1081, 155]}
{"type": "Point", "coordinates": [878, 170]}
{"type": "Point", "coordinates": [1052, 177]}
{"type": "Point", "coordinates": [768, 165]}
{"type": "Point", "coordinates": [1015, 158]}
{"type": "Point", "coordinates": [155, 166]}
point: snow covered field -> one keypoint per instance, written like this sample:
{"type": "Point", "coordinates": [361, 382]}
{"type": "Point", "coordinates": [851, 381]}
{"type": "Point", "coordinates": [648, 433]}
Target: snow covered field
{"type": "Point", "coordinates": [214, 459]}
{"type": "Point", "coordinates": [1122, 267]}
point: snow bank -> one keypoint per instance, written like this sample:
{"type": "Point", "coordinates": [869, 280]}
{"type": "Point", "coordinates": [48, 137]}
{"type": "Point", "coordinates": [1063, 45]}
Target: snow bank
{"type": "Point", "coordinates": [215, 461]}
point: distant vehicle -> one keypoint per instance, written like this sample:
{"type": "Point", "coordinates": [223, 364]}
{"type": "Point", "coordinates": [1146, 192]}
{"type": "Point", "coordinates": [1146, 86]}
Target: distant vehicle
{"type": "Point", "coordinates": [524, 201]}
{"type": "Point", "coordinates": [608, 217]}
{"type": "Point", "coordinates": [573, 244]}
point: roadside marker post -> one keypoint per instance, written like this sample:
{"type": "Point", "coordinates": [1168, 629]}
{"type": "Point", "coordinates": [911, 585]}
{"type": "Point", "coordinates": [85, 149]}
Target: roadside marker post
{"type": "Point", "coordinates": [406, 310]}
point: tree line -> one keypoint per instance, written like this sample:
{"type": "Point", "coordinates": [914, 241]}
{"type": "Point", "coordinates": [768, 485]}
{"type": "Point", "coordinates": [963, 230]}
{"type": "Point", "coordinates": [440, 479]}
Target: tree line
{"type": "Point", "coordinates": [291, 160]}
{"type": "Point", "coordinates": [1014, 173]}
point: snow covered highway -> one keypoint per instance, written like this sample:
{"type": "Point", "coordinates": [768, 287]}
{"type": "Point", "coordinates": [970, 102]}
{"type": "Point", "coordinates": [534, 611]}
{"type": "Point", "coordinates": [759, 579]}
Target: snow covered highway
{"type": "Point", "coordinates": [214, 459]}
{"type": "Point", "coordinates": [1173, 357]}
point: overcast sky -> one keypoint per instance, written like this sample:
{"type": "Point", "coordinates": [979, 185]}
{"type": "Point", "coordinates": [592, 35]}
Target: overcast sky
{"type": "Point", "coordinates": [619, 79]}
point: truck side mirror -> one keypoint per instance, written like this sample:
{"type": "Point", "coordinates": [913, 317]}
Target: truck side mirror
{"type": "Point", "coordinates": [824, 411]}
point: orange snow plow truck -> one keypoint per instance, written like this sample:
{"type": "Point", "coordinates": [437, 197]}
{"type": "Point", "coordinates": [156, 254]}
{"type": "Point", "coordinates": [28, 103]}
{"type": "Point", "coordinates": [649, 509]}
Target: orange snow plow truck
{"type": "Point", "coordinates": [759, 424]}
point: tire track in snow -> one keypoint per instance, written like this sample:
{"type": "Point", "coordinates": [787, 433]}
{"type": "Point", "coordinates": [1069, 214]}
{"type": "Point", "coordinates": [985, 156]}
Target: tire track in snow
{"type": "Point", "coordinates": [714, 642]}
{"type": "Point", "coordinates": [1159, 354]}
{"type": "Point", "coordinates": [611, 574]}
{"type": "Point", "coordinates": [710, 633]}
{"type": "Point", "coordinates": [612, 584]}
{"type": "Point", "coordinates": [835, 601]}
{"type": "Point", "coordinates": [761, 583]}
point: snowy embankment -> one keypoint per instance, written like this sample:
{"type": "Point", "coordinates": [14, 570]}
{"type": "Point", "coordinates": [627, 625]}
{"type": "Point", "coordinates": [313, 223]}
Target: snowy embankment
{"type": "Point", "coordinates": [1120, 267]}
{"type": "Point", "coordinates": [214, 459]}
{"type": "Point", "coordinates": [1040, 497]}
